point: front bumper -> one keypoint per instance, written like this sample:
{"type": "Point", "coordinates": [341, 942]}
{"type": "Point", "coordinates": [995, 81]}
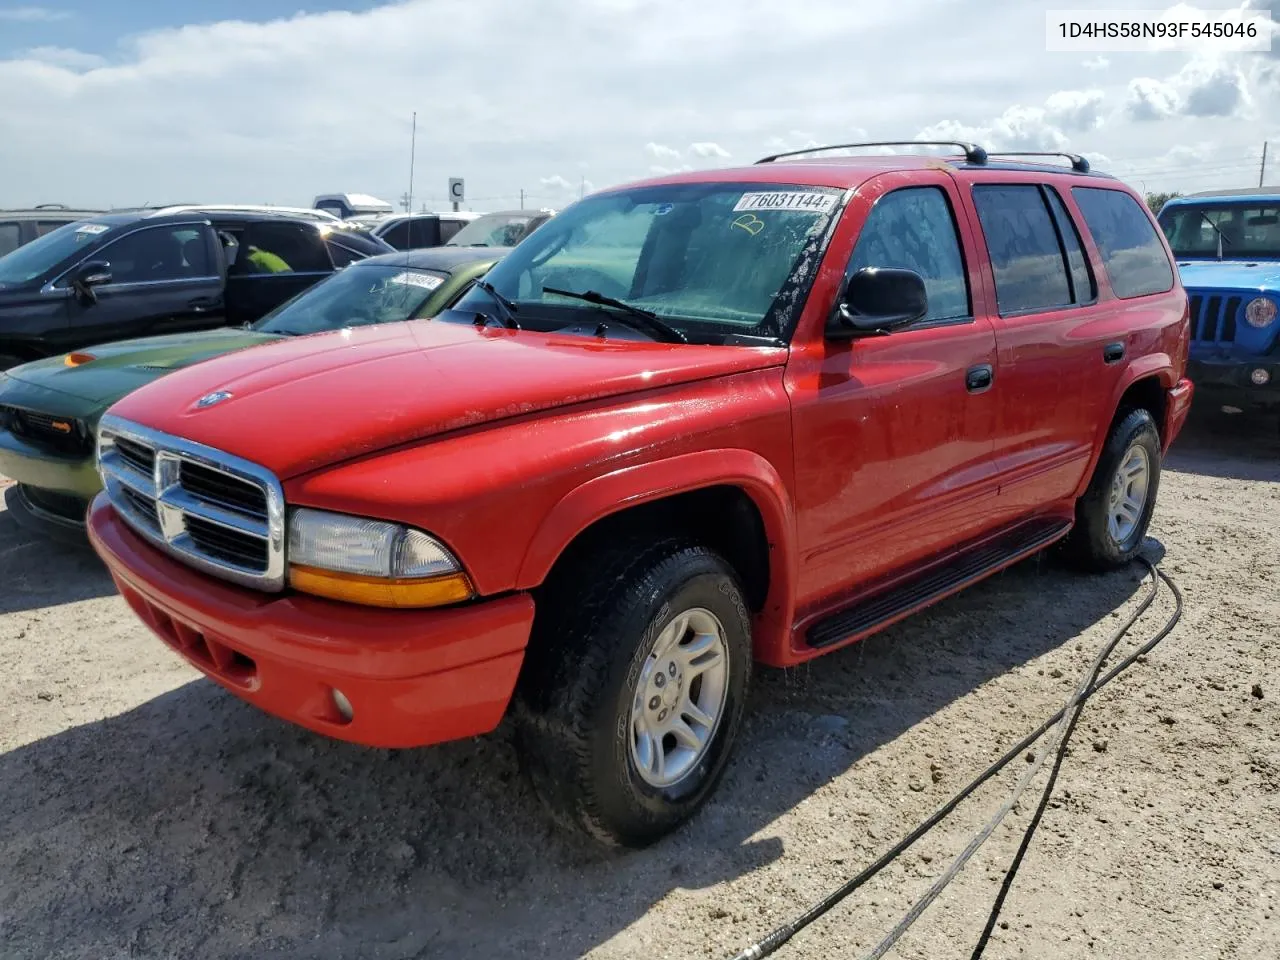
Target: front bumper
{"type": "Point", "coordinates": [36, 467]}
{"type": "Point", "coordinates": [1229, 380]}
{"type": "Point", "coordinates": [412, 678]}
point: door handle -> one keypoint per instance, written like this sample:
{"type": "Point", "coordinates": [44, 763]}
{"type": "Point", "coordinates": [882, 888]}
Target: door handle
{"type": "Point", "coordinates": [200, 304]}
{"type": "Point", "coordinates": [1113, 352]}
{"type": "Point", "coordinates": [977, 379]}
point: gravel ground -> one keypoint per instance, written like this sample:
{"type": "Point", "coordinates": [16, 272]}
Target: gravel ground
{"type": "Point", "coordinates": [145, 813]}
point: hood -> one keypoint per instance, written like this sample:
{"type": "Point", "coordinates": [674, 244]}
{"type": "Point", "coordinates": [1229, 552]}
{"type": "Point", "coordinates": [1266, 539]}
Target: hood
{"type": "Point", "coordinates": [1248, 275]}
{"type": "Point", "coordinates": [126, 365]}
{"type": "Point", "coordinates": [300, 404]}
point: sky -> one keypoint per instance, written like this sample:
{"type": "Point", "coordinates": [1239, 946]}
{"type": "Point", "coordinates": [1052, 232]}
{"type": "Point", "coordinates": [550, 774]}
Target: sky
{"type": "Point", "coordinates": [137, 101]}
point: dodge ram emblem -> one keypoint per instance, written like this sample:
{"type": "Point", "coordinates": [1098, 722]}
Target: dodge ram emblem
{"type": "Point", "coordinates": [209, 399]}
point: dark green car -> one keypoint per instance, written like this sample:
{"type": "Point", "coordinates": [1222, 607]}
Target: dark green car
{"type": "Point", "coordinates": [49, 409]}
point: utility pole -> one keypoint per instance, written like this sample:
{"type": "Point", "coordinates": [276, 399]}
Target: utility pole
{"type": "Point", "coordinates": [522, 198]}
{"type": "Point", "coordinates": [1262, 171]}
{"type": "Point", "coordinates": [413, 146]}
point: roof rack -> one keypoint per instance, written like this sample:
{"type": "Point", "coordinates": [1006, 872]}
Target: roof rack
{"type": "Point", "coordinates": [972, 152]}
{"type": "Point", "coordinates": [1078, 163]}
{"type": "Point", "coordinates": [307, 212]}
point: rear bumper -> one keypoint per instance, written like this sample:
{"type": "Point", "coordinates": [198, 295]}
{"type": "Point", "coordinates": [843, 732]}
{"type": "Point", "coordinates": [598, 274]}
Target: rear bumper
{"type": "Point", "coordinates": [413, 678]}
{"type": "Point", "coordinates": [1231, 381]}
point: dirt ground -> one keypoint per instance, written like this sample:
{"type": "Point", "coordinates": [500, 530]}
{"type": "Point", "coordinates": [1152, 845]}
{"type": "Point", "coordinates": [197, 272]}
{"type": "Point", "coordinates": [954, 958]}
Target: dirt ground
{"type": "Point", "coordinates": [145, 813]}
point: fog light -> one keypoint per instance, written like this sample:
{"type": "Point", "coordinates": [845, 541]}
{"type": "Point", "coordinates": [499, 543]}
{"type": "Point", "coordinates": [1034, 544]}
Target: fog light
{"type": "Point", "coordinates": [1260, 377]}
{"type": "Point", "coordinates": [343, 705]}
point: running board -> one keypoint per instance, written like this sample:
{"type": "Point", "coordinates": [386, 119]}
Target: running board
{"type": "Point", "coordinates": [923, 588]}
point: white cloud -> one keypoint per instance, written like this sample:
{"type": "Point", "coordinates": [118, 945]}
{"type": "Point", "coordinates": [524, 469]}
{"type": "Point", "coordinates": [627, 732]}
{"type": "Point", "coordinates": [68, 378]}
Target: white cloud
{"type": "Point", "coordinates": [164, 115]}
{"type": "Point", "coordinates": [33, 14]}
{"type": "Point", "coordinates": [660, 152]}
{"type": "Point", "coordinates": [1096, 63]}
{"type": "Point", "coordinates": [706, 150]}
{"type": "Point", "coordinates": [64, 57]}
{"type": "Point", "coordinates": [1075, 111]}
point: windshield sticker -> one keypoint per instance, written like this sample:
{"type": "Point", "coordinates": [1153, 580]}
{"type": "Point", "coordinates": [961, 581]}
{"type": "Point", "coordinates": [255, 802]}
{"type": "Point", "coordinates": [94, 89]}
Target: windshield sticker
{"type": "Point", "coordinates": [787, 200]}
{"type": "Point", "coordinates": [749, 222]}
{"type": "Point", "coordinates": [424, 280]}
{"type": "Point", "coordinates": [663, 209]}
{"type": "Point", "coordinates": [92, 228]}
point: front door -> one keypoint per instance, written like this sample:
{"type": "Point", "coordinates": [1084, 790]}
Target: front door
{"type": "Point", "coordinates": [894, 434]}
{"type": "Point", "coordinates": [164, 279]}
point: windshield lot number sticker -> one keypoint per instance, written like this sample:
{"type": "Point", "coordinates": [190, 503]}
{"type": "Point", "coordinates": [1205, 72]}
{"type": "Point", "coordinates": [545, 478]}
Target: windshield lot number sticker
{"type": "Point", "coordinates": [787, 200]}
{"type": "Point", "coordinates": [93, 229]}
{"type": "Point", "coordinates": [424, 280]}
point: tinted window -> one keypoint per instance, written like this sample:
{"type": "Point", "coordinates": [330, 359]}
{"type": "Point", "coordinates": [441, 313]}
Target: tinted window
{"type": "Point", "coordinates": [8, 238]}
{"type": "Point", "coordinates": [1082, 288]}
{"type": "Point", "coordinates": [341, 256]}
{"type": "Point", "coordinates": [157, 253]}
{"type": "Point", "coordinates": [449, 229]}
{"type": "Point", "coordinates": [425, 232]}
{"type": "Point", "coordinates": [1132, 253]}
{"type": "Point", "coordinates": [913, 229]}
{"type": "Point", "coordinates": [48, 226]}
{"type": "Point", "coordinates": [279, 248]}
{"type": "Point", "coordinates": [1026, 256]}
{"type": "Point", "coordinates": [398, 236]}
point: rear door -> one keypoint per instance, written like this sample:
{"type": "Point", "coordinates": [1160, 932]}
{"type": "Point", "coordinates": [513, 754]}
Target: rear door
{"type": "Point", "coordinates": [164, 279]}
{"type": "Point", "coordinates": [274, 261]}
{"type": "Point", "coordinates": [1048, 319]}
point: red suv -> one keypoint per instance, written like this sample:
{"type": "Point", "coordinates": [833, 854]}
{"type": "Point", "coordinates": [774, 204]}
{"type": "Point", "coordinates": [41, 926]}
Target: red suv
{"type": "Point", "coordinates": [691, 424]}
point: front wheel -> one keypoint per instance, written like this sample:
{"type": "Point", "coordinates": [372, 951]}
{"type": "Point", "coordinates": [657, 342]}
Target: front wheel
{"type": "Point", "coordinates": [1113, 516]}
{"type": "Point", "coordinates": [633, 690]}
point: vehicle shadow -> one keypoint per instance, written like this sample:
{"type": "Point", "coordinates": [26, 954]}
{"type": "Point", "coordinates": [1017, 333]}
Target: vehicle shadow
{"type": "Point", "coordinates": [37, 571]}
{"type": "Point", "coordinates": [194, 825]}
{"type": "Point", "coordinates": [1230, 446]}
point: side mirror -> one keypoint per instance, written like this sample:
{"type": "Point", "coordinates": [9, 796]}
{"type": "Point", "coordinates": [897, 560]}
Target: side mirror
{"type": "Point", "coordinates": [92, 274]}
{"type": "Point", "coordinates": [876, 301]}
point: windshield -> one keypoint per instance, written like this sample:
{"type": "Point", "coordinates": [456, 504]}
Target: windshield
{"type": "Point", "coordinates": [493, 230]}
{"type": "Point", "coordinates": [44, 253]}
{"type": "Point", "coordinates": [1249, 230]}
{"type": "Point", "coordinates": [357, 296]}
{"type": "Point", "coordinates": [711, 259]}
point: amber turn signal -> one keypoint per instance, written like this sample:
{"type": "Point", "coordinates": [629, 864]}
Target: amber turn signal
{"type": "Point", "coordinates": [380, 592]}
{"type": "Point", "coordinates": [75, 359]}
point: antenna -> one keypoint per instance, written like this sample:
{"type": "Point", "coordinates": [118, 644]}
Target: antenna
{"type": "Point", "coordinates": [413, 146]}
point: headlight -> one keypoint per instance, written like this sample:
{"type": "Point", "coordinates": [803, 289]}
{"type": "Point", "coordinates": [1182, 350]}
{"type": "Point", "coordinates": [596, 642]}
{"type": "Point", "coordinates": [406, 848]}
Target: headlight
{"type": "Point", "coordinates": [371, 562]}
{"type": "Point", "coordinates": [1260, 312]}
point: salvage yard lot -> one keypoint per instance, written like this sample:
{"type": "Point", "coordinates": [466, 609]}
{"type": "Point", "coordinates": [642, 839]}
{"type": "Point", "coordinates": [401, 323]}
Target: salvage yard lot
{"type": "Point", "coordinates": [145, 813]}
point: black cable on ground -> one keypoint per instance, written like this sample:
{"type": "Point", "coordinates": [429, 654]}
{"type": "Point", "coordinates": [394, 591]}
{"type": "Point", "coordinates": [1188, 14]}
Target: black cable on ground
{"type": "Point", "coordinates": [1007, 884]}
{"type": "Point", "coordinates": [770, 944]}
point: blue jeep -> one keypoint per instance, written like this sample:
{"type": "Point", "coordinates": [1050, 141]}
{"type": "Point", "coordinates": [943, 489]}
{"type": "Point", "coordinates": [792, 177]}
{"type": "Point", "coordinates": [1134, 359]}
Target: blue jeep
{"type": "Point", "coordinates": [1227, 244]}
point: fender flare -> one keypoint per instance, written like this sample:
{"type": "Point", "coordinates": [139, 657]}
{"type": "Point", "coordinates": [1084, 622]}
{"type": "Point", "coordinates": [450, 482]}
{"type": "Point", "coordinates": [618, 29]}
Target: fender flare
{"type": "Point", "coordinates": [613, 492]}
{"type": "Point", "coordinates": [1158, 365]}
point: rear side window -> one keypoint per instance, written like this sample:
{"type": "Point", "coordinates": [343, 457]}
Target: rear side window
{"type": "Point", "coordinates": [398, 236]}
{"type": "Point", "coordinates": [426, 232]}
{"type": "Point", "coordinates": [912, 229]}
{"type": "Point", "coordinates": [48, 226]}
{"type": "Point", "coordinates": [1082, 286]}
{"type": "Point", "coordinates": [9, 237]}
{"type": "Point", "coordinates": [267, 248]}
{"type": "Point", "coordinates": [1132, 253]}
{"type": "Point", "coordinates": [449, 229]}
{"type": "Point", "coordinates": [1026, 254]}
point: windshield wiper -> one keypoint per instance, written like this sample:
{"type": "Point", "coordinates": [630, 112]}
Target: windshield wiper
{"type": "Point", "coordinates": [1222, 237]}
{"type": "Point", "coordinates": [653, 324]}
{"type": "Point", "coordinates": [509, 309]}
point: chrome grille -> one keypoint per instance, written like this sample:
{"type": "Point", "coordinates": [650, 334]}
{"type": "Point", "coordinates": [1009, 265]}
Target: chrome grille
{"type": "Point", "coordinates": [213, 511]}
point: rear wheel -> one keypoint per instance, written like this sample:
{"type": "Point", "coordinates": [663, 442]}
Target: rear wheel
{"type": "Point", "coordinates": [1113, 516]}
{"type": "Point", "coordinates": [633, 689]}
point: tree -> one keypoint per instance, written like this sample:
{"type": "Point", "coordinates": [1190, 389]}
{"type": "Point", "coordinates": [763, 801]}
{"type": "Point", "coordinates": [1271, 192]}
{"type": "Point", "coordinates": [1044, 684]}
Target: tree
{"type": "Point", "coordinates": [1157, 200]}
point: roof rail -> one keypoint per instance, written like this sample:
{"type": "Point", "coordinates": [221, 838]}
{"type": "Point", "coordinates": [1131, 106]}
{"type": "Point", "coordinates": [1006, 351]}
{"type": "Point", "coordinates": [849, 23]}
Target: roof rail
{"type": "Point", "coordinates": [972, 152]}
{"type": "Point", "coordinates": [307, 212]}
{"type": "Point", "coordinates": [1078, 163]}
{"type": "Point", "coordinates": [50, 206]}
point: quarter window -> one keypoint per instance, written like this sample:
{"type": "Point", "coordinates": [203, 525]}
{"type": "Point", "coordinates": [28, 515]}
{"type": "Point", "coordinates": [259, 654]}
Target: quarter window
{"type": "Point", "coordinates": [913, 229]}
{"type": "Point", "coordinates": [158, 253]}
{"type": "Point", "coordinates": [9, 238]}
{"type": "Point", "coordinates": [1134, 257]}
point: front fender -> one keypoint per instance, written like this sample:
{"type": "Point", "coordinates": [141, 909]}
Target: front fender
{"type": "Point", "coordinates": [646, 482]}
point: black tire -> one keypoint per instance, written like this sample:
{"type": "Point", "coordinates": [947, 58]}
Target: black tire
{"type": "Point", "coordinates": [594, 630]}
{"type": "Point", "coordinates": [1091, 544]}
